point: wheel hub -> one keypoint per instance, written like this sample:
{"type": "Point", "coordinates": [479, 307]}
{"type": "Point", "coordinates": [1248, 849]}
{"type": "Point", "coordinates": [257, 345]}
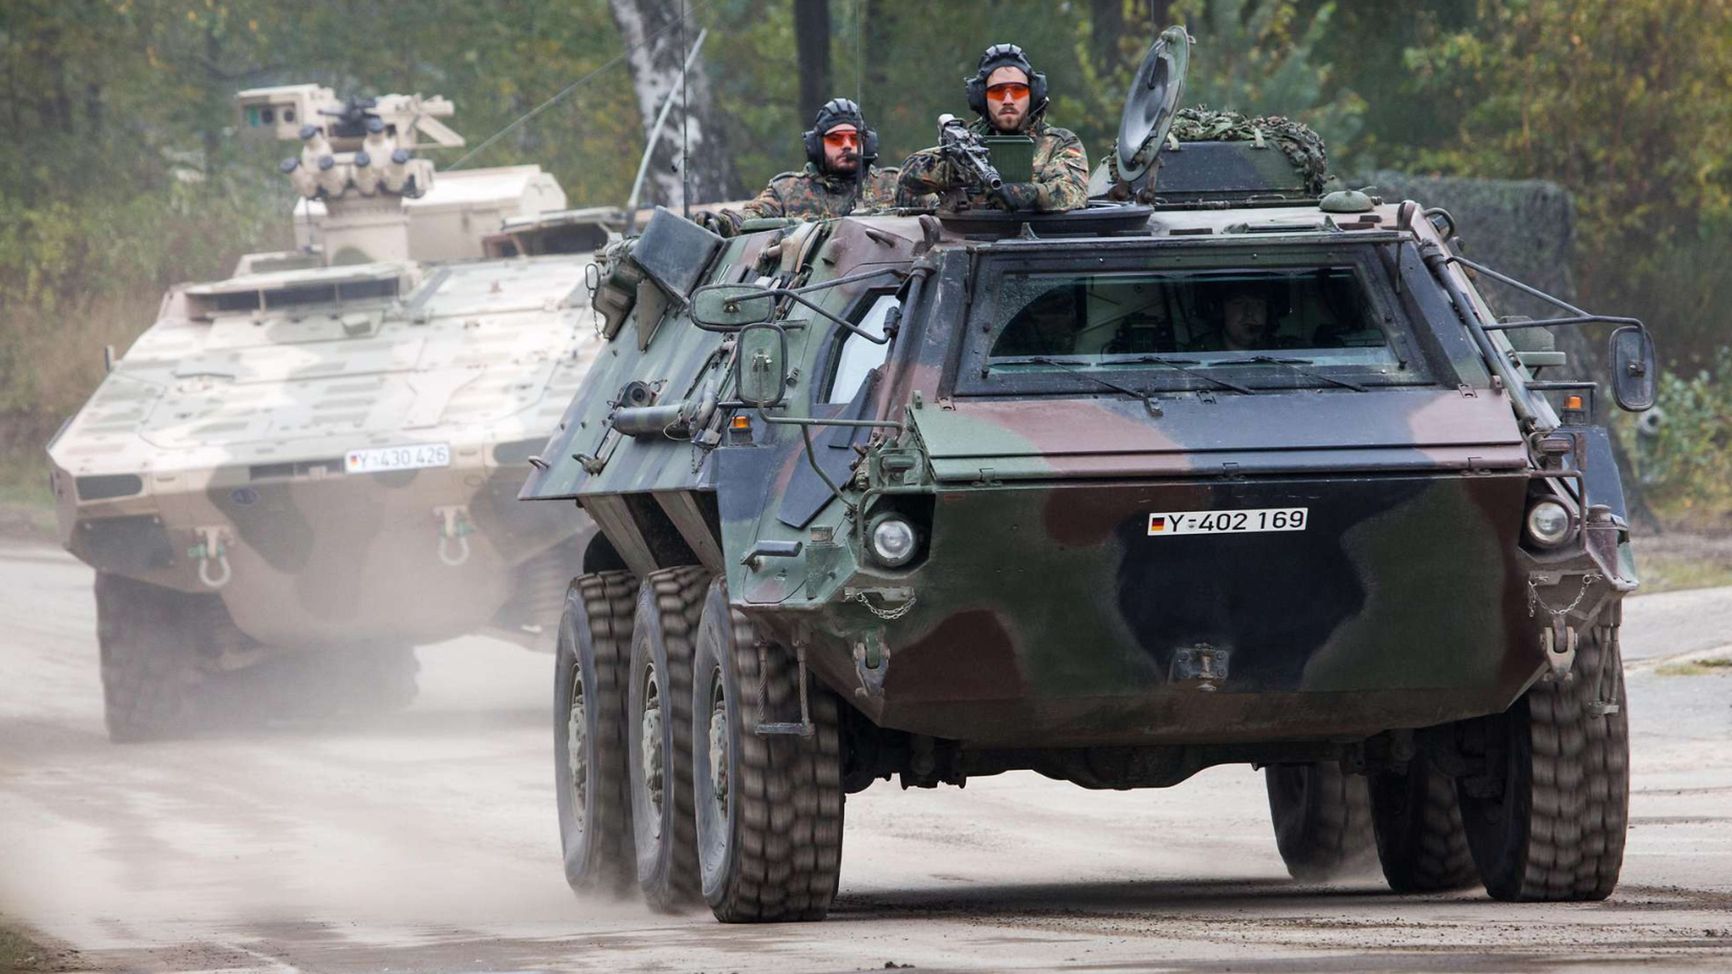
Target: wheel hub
{"type": "Point", "coordinates": [651, 747]}
{"type": "Point", "coordinates": [576, 758]}
{"type": "Point", "coordinates": [719, 747]}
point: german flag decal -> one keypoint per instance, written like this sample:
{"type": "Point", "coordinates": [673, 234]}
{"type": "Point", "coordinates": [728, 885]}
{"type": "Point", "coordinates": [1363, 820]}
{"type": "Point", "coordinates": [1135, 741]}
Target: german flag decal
{"type": "Point", "coordinates": [1157, 523]}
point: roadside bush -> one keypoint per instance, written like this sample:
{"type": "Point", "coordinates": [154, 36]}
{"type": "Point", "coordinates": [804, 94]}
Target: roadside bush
{"type": "Point", "coordinates": [1683, 455]}
{"type": "Point", "coordinates": [78, 275]}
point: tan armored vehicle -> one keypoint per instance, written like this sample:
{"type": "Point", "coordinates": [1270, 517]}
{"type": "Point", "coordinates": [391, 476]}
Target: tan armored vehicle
{"type": "Point", "coordinates": [313, 463]}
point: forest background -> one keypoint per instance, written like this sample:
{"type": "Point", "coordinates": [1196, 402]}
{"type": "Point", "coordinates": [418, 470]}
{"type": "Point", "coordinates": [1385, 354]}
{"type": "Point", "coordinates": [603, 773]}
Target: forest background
{"type": "Point", "coordinates": [120, 175]}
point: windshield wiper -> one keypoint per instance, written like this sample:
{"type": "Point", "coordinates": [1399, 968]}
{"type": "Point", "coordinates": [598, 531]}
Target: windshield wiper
{"type": "Point", "coordinates": [1183, 366]}
{"type": "Point", "coordinates": [1149, 402]}
{"type": "Point", "coordinates": [1297, 365]}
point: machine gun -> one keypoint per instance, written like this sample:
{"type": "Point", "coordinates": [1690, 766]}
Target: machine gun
{"type": "Point", "coordinates": [967, 152]}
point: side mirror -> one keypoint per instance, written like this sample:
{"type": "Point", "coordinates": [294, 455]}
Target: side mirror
{"type": "Point", "coordinates": [729, 306]}
{"type": "Point", "coordinates": [1634, 372]}
{"type": "Point", "coordinates": [761, 365]}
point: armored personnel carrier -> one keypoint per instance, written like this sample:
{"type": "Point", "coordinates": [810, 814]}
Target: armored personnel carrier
{"type": "Point", "coordinates": [1243, 473]}
{"type": "Point", "coordinates": [315, 460]}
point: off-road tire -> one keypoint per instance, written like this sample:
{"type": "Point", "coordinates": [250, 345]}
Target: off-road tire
{"type": "Point", "coordinates": [773, 850]}
{"type": "Point", "coordinates": [1420, 841]}
{"type": "Point", "coordinates": [1322, 820]}
{"type": "Point", "coordinates": [664, 628]}
{"type": "Point", "coordinates": [1556, 829]}
{"type": "Point", "coordinates": [150, 671]}
{"type": "Point", "coordinates": [592, 648]}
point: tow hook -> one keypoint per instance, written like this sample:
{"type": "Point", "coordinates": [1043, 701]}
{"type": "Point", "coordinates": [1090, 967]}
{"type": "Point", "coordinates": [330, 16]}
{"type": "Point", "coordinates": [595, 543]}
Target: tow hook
{"type": "Point", "coordinates": [1559, 642]}
{"type": "Point", "coordinates": [454, 531]}
{"type": "Point", "coordinates": [871, 664]}
{"type": "Point", "coordinates": [1557, 637]}
{"type": "Point", "coordinates": [211, 550]}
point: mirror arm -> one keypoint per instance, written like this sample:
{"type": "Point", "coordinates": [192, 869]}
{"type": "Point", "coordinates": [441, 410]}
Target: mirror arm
{"type": "Point", "coordinates": [1581, 319]}
{"type": "Point", "coordinates": [841, 322]}
{"type": "Point", "coordinates": [896, 272]}
{"type": "Point", "coordinates": [1527, 289]}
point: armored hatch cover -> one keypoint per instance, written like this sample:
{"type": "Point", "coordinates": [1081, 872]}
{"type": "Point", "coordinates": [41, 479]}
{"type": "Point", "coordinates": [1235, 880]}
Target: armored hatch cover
{"type": "Point", "coordinates": [1174, 156]}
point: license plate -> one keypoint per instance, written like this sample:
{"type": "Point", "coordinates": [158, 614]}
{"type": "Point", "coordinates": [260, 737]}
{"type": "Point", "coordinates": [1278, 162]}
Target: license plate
{"type": "Point", "coordinates": [411, 457]}
{"type": "Point", "coordinates": [1228, 522]}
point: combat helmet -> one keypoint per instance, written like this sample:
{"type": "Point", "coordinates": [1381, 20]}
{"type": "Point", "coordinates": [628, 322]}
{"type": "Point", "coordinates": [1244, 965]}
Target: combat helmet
{"type": "Point", "coordinates": [1002, 56]}
{"type": "Point", "coordinates": [833, 113]}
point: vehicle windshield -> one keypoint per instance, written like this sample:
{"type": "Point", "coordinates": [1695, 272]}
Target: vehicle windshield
{"type": "Point", "coordinates": [1263, 327]}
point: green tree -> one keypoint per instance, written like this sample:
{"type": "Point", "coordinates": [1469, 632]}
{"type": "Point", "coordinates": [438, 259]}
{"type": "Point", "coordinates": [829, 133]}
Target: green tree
{"type": "Point", "coordinates": [1258, 57]}
{"type": "Point", "coordinates": [1625, 104]}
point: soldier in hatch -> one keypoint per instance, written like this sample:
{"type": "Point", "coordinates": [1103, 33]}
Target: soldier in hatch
{"type": "Point", "coordinates": [838, 179]}
{"type": "Point", "coordinates": [1011, 98]}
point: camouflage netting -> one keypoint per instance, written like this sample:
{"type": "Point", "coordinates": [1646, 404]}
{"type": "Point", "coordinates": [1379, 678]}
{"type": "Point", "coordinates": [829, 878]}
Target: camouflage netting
{"type": "Point", "coordinates": [1523, 228]}
{"type": "Point", "coordinates": [1303, 147]}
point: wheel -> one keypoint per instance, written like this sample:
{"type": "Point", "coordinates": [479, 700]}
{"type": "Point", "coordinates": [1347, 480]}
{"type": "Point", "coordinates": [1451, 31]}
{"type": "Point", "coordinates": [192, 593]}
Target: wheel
{"type": "Point", "coordinates": [589, 734]}
{"type": "Point", "coordinates": [1546, 821]}
{"type": "Point", "coordinates": [1322, 820]}
{"type": "Point", "coordinates": [769, 807]}
{"type": "Point", "coordinates": [1420, 841]}
{"type": "Point", "coordinates": [150, 671]}
{"type": "Point", "coordinates": [659, 735]}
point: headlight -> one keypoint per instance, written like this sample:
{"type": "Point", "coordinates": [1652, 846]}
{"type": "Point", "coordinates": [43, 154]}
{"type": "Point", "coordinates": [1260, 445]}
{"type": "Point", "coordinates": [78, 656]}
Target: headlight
{"type": "Point", "coordinates": [1548, 523]}
{"type": "Point", "coordinates": [892, 540]}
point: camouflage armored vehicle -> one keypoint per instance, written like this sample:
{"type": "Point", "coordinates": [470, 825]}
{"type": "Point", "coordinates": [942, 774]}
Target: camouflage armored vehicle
{"type": "Point", "coordinates": [315, 460]}
{"type": "Point", "coordinates": [1244, 474]}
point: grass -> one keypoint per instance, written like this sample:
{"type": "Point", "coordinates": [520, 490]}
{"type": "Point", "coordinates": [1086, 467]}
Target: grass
{"type": "Point", "coordinates": [1678, 559]}
{"type": "Point", "coordinates": [26, 509]}
{"type": "Point", "coordinates": [1672, 576]}
{"type": "Point", "coordinates": [1696, 667]}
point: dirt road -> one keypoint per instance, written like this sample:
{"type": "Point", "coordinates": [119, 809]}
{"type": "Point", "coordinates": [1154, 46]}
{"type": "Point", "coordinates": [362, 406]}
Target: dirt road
{"type": "Point", "coordinates": [426, 841]}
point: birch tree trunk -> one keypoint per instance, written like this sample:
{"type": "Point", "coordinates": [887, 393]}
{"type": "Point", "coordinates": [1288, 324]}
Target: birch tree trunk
{"type": "Point", "coordinates": [655, 76]}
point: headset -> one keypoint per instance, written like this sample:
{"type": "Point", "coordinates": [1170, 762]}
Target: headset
{"type": "Point", "coordinates": [835, 112]}
{"type": "Point", "coordinates": [1000, 56]}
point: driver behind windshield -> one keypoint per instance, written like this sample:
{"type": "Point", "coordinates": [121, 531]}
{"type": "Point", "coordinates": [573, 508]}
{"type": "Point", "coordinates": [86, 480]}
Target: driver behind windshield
{"type": "Point", "coordinates": [1244, 325]}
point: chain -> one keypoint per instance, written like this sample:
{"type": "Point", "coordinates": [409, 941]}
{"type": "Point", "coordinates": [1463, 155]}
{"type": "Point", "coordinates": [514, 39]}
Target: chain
{"type": "Point", "coordinates": [888, 615]}
{"type": "Point", "coordinates": [1534, 599]}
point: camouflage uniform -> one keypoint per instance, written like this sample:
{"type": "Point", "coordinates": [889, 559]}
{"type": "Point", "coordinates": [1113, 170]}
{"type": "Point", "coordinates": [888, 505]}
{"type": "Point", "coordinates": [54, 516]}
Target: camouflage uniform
{"type": "Point", "coordinates": [813, 195]}
{"type": "Point", "coordinates": [1061, 175]}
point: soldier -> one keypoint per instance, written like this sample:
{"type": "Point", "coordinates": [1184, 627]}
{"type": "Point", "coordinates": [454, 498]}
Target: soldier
{"type": "Point", "coordinates": [838, 178]}
{"type": "Point", "coordinates": [1010, 97]}
{"type": "Point", "coordinates": [1245, 321]}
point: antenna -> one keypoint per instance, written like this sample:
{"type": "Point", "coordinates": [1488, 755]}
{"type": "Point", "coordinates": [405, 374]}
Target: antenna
{"type": "Point", "coordinates": [685, 112]}
{"type": "Point", "coordinates": [654, 136]}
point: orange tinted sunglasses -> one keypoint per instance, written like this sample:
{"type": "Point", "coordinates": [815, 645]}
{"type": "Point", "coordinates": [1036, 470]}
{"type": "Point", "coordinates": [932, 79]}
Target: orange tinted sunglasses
{"type": "Point", "coordinates": [1008, 90]}
{"type": "Point", "coordinates": [841, 140]}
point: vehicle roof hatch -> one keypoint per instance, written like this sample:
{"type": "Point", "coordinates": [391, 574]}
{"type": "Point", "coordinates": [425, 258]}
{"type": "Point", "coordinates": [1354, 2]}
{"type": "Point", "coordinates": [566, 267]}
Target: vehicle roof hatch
{"type": "Point", "coordinates": [1149, 105]}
